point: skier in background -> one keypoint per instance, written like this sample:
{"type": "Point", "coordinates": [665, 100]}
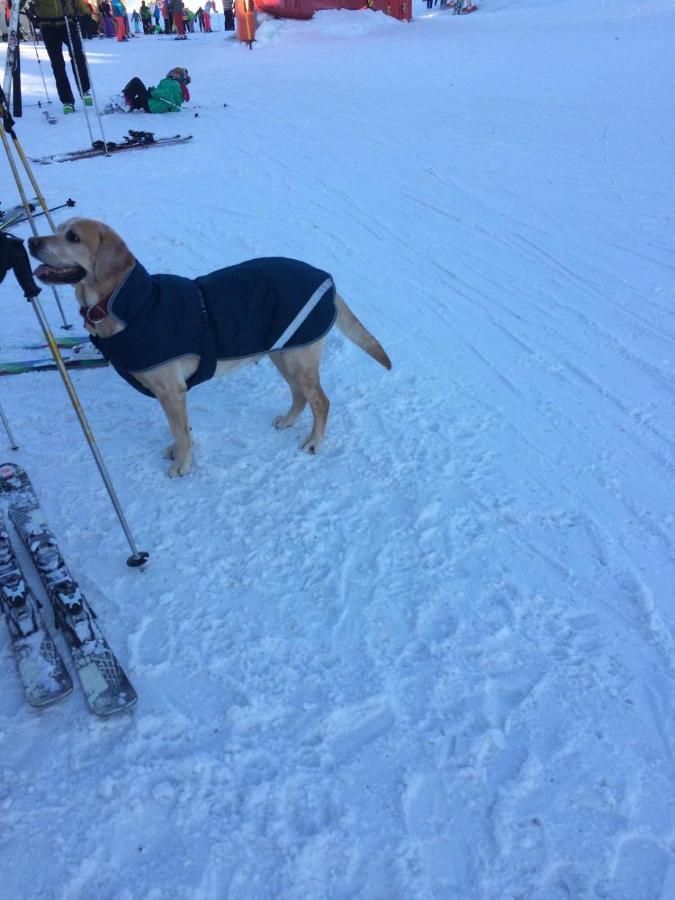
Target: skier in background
{"type": "Point", "coordinates": [146, 17]}
{"type": "Point", "coordinates": [228, 9]}
{"type": "Point", "coordinates": [175, 9]}
{"type": "Point", "coordinates": [209, 11]}
{"type": "Point", "coordinates": [120, 13]}
{"type": "Point", "coordinates": [107, 23]}
{"type": "Point", "coordinates": [58, 26]}
{"type": "Point", "coordinates": [168, 96]}
{"type": "Point", "coordinates": [206, 16]}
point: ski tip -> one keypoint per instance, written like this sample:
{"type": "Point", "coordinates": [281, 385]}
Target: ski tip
{"type": "Point", "coordinates": [9, 471]}
{"type": "Point", "coordinates": [104, 708]}
{"type": "Point", "coordinates": [47, 698]}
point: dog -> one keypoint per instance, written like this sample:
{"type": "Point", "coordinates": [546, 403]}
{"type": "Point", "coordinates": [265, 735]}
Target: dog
{"type": "Point", "coordinates": [166, 333]}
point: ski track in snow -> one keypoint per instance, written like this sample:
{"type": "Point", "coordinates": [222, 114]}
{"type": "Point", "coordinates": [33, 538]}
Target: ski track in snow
{"type": "Point", "coordinates": [437, 660]}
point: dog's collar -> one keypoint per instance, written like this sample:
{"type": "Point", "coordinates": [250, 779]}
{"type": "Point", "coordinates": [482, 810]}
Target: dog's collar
{"type": "Point", "coordinates": [92, 315]}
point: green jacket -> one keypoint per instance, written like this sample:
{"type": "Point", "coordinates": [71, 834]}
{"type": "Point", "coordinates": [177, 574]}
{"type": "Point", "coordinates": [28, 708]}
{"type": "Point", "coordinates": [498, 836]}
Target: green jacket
{"type": "Point", "coordinates": [52, 10]}
{"type": "Point", "coordinates": [166, 97]}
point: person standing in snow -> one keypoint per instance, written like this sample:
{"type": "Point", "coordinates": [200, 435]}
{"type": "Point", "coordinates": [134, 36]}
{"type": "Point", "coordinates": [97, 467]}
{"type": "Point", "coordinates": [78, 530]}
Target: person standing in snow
{"type": "Point", "coordinates": [107, 23]}
{"type": "Point", "coordinates": [145, 17]}
{"type": "Point", "coordinates": [228, 9]}
{"type": "Point", "coordinates": [175, 10]}
{"type": "Point", "coordinates": [58, 26]}
{"type": "Point", "coordinates": [120, 13]}
{"type": "Point", "coordinates": [206, 16]}
{"type": "Point", "coordinates": [168, 96]}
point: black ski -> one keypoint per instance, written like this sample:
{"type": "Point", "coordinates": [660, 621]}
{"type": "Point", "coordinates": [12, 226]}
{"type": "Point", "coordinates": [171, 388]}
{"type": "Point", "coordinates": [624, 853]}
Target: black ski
{"type": "Point", "coordinates": [43, 673]}
{"type": "Point", "coordinates": [106, 687]}
{"type": "Point", "coordinates": [136, 140]}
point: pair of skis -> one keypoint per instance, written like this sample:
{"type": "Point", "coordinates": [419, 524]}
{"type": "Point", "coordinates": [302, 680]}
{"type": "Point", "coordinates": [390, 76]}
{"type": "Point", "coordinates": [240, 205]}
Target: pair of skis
{"type": "Point", "coordinates": [43, 672]}
{"type": "Point", "coordinates": [135, 140]}
{"type": "Point", "coordinates": [74, 350]}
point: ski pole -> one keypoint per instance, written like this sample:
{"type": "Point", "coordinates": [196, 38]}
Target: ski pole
{"type": "Point", "coordinates": [77, 76]}
{"type": "Point", "coordinates": [138, 557]}
{"type": "Point", "coordinates": [37, 56]}
{"type": "Point", "coordinates": [71, 48]}
{"type": "Point", "coordinates": [8, 126]}
{"type": "Point", "coordinates": [13, 444]}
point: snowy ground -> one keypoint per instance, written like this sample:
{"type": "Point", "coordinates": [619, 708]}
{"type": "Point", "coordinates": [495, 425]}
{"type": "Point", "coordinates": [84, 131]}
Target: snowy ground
{"type": "Point", "coordinates": [435, 661]}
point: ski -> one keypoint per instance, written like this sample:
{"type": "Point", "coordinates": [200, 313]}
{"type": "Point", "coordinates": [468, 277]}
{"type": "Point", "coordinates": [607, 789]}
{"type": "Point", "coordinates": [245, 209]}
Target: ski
{"type": "Point", "coordinates": [41, 668]}
{"type": "Point", "coordinates": [18, 214]}
{"type": "Point", "coordinates": [106, 687]}
{"type": "Point", "coordinates": [137, 140]}
{"type": "Point", "coordinates": [49, 116]}
{"type": "Point", "coordinates": [21, 367]}
{"type": "Point", "coordinates": [114, 107]}
{"type": "Point", "coordinates": [12, 56]}
{"type": "Point", "coordinates": [62, 342]}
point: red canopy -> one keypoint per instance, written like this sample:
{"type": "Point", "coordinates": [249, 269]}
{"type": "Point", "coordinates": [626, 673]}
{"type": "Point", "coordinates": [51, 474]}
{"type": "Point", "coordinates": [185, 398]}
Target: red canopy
{"type": "Point", "coordinates": [305, 9]}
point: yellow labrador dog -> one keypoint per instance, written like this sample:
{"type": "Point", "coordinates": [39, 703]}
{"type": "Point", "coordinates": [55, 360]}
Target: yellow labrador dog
{"type": "Point", "coordinates": [165, 333]}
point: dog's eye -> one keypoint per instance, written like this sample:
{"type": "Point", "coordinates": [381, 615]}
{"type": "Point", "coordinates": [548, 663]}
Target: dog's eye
{"type": "Point", "coordinates": [72, 237]}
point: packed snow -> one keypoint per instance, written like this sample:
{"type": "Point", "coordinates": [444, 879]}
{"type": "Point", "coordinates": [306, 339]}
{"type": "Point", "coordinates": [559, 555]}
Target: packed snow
{"type": "Point", "coordinates": [435, 660]}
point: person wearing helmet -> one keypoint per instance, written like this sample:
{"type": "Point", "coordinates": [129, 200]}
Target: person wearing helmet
{"type": "Point", "coordinates": [168, 96]}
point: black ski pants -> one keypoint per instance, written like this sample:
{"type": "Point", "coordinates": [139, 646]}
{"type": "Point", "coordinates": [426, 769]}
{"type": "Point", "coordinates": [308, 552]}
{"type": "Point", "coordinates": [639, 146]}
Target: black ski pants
{"type": "Point", "coordinates": [55, 35]}
{"type": "Point", "coordinates": [136, 94]}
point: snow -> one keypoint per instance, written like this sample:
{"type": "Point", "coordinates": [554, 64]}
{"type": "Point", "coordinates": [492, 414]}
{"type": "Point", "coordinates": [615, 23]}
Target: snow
{"type": "Point", "coordinates": [435, 661]}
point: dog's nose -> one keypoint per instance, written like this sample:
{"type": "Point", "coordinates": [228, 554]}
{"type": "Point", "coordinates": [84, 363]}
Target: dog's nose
{"type": "Point", "coordinates": [34, 244]}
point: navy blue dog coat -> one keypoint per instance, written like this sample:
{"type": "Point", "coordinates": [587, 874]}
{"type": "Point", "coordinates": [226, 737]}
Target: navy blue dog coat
{"type": "Point", "coordinates": [254, 307]}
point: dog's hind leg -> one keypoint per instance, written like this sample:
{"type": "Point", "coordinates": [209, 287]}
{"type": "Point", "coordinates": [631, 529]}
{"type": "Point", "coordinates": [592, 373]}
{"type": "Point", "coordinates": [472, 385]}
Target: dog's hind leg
{"type": "Point", "coordinates": [301, 371]}
{"type": "Point", "coordinates": [299, 399]}
{"type": "Point", "coordinates": [320, 405]}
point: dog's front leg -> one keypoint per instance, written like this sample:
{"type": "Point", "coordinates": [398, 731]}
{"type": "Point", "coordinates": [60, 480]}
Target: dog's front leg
{"type": "Point", "coordinates": [174, 404]}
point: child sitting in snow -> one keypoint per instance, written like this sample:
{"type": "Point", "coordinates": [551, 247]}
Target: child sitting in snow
{"type": "Point", "coordinates": [168, 96]}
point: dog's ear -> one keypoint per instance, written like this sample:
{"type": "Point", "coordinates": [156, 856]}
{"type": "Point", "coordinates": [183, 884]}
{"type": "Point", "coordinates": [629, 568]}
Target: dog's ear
{"type": "Point", "coordinates": [112, 257]}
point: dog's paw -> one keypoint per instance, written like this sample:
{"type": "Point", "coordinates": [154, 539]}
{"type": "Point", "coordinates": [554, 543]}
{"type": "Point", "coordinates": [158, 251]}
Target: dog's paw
{"type": "Point", "coordinates": [280, 422]}
{"type": "Point", "coordinates": [311, 445]}
{"type": "Point", "coordinates": [178, 469]}
{"type": "Point", "coordinates": [170, 452]}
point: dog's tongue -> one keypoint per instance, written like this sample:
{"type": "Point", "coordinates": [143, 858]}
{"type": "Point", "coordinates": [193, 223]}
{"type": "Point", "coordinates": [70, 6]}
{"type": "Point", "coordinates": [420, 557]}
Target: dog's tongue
{"type": "Point", "coordinates": [50, 274]}
{"type": "Point", "coordinates": [44, 270]}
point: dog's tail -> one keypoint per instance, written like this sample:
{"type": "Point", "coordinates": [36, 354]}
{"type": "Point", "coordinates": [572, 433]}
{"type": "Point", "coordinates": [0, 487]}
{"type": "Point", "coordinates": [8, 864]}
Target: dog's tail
{"type": "Point", "coordinates": [350, 326]}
